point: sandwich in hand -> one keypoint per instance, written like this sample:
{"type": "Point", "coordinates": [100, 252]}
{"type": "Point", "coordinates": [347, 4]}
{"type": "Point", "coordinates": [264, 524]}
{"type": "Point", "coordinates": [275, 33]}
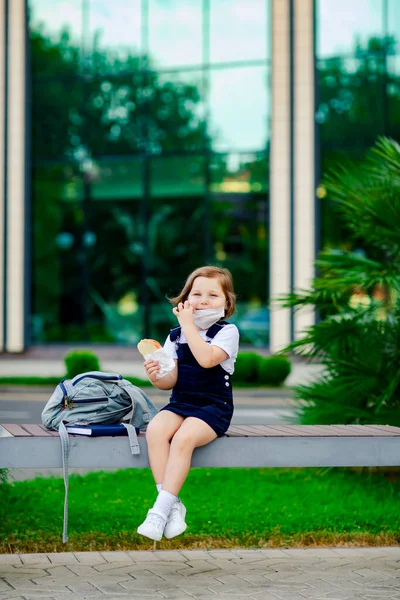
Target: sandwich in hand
{"type": "Point", "coordinates": [148, 346]}
{"type": "Point", "coordinates": [152, 350]}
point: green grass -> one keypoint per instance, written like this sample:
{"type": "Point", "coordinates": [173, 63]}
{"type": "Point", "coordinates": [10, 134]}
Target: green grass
{"type": "Point", "coordinates": [226, 508]}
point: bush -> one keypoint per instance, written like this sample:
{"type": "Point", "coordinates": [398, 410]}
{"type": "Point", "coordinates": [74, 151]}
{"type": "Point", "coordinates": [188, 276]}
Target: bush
{"type": "Point", "coordinates": [246, 367]}
{"type": "Point", "coordinates": [273, 370]}
{"type": "Point", "coordinates": [80, 361]}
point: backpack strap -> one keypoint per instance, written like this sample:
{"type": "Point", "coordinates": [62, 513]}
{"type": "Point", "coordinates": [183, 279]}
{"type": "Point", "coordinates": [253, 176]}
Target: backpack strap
{"type": "Point", "coordinates": [63, 433]}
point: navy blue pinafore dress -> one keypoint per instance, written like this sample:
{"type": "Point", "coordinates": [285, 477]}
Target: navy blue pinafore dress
{"type": "Point", "coordinates": [199, 392]}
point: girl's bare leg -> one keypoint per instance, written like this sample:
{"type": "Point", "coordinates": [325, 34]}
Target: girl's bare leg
{"type": "Point", "coordinates": [159, 433]}
{"type": "Point", "coordinates": [192, 434]}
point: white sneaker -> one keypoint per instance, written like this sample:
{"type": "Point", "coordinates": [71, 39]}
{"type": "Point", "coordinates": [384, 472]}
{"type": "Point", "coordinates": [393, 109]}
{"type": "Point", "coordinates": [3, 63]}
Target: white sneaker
{"type": "Point", "coordinates": [153, 526]}
{"type": "Point", "coordinates": [176, 520]}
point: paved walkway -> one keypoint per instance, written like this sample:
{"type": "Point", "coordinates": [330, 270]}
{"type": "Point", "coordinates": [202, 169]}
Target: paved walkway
{"type": "Point", "coordinates": [317, 574]}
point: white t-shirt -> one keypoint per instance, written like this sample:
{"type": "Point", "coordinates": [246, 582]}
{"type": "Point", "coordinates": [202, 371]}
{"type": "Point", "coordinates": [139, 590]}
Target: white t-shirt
{"type": "Point", "coordinates": [227, 339]}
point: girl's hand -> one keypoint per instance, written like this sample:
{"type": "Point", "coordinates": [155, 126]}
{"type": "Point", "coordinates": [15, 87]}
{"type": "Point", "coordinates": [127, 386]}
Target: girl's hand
{"type": "Point", "coordinates": [152, 368]}
{"type": "Point", "coordinates": [184, 313]}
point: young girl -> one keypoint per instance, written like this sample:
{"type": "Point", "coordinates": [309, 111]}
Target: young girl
{"type": "Point", "coordinates": [205, 348]}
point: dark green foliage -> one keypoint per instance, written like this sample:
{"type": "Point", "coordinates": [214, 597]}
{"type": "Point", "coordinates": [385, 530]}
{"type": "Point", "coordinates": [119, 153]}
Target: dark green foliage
{"type": "Point", "coordinates": [359, 345]}
{"type": "Point", "coordinates": [252, 368]}
{"type": "Point", "coordinates": [246, 367]}
{"type": "Point", "coordinates": [273, 370]}
{"type": "Point", "coordinates": [80, 361]}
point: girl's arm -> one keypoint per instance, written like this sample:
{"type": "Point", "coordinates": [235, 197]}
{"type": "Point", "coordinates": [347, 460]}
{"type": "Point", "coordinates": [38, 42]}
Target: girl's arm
{"type": "Point", "coordinates": [165, 383]}
{"type": "Point", "coordinates": [207, 356]}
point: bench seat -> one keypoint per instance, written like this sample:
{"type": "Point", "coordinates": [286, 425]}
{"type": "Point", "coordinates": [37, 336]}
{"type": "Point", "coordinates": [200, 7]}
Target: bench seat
{"type": "Point", "coordinates": [33, 446]}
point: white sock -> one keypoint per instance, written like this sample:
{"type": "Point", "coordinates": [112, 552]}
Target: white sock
{"type": "Point", "coordinates": [164, 503]}
{"type": "Point", "coordinates": [159, 487]}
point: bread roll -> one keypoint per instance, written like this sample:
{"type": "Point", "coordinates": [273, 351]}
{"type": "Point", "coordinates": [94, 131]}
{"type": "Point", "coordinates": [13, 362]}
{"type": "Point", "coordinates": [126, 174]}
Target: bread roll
{"type": "Point", "coordinates": [147, 346]}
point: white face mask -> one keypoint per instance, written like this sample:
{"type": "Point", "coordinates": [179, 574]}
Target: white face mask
{"type": "Point", "coordinates": [203, 319]}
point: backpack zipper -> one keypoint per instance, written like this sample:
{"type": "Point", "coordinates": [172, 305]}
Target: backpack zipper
{"type": "Point", "coordinates": [67, 403]}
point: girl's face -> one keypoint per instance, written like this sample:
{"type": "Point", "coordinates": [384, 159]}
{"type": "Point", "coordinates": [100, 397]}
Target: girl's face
{"type": "Point", "coordinates": [206, 292]}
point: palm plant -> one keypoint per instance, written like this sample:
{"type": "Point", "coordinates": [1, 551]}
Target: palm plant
{"type": "Point", "coordinates": [358, 343]}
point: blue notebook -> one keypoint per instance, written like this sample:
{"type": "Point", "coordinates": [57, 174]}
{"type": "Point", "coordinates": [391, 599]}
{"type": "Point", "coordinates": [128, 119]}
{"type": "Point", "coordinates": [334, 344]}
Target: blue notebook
{"type": "Point", "coordinates": [97, 430]}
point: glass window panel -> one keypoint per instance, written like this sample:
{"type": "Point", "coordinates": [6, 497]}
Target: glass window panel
{"type": "Point", "coordinates": [57, 118]}
{"type": "Point", "coordinates": [351, 101]}
{"type": "Point", "coordinates": [114, 252]}
{"type": "Point", "coordinates": [114, 35]}
{"type": "Point", "coordinates": [393, 97]}
{"type": "Point", "coordinates": [115, 179]}
{"type": "Point", "coordinates": [56, 36]}
{"type": "Point", "coordinates": [57, 217]}
{"type": "Point", "coordinates": [175, 33]}
{"type": "Point", "coordinates": [177, 232]}
{"type": "Point", "coordinates": [344, 25]}
{"type": "Point", "coordinates": [175, 111]}
{"type": "Point", "coordinates": [393, 18]}
{"type": "Point", "coordinates": [239, 30]}
{"type": "Point", "coordinates": [176, 177]}
{"type": "Point", "coordinates": [114, 115]}
{"type": "Point", "coordinates": [239, 173]}
{"type": "Point", "coordinates": [240, 240]}
{"type": "Point", "coordinates": [239, 108]}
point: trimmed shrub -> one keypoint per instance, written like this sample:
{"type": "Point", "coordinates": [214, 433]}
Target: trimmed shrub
{"type": "Point", "coordinates": [246, 367]}
{"type": "Point", "coordinates": [80, 361]}
{"type": "Point", "coordinates": [273, 370]}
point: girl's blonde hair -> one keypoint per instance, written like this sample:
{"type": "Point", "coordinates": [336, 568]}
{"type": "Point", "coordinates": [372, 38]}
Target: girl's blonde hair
{"type": "Point", "coordinates": [225, 279]}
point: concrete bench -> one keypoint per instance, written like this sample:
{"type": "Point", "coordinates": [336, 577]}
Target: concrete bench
{"type": "Point", "coordinates": [32, 446]}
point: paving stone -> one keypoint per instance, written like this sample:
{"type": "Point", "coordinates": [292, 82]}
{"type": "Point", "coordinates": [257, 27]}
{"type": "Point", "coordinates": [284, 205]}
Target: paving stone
{"type": "Point", "coordinates": [265, 596]}
{"type": "Point", "coordinates": [117, 567]}
{"type": "Point", "coordinates": [82, 587]}
{"type": "Point", "coordinates": [227, 554]}
{"type": "Point", "coordinates": [273, 552]}
{"type": "Point", "coordinates": [109, 588]}
{"type": "Point", "coordinates": [195, 554]}
{"type": "Point", "coordinates": [12, 570]}
{"type": "Point", "coordinates": [112, 557]}
{"type": "Point", "coordinates": [4, 586]}
{"type": "Point", "coordinates": [142, 555]}
{"type": "Point", "coordinates": [287, 574]}
{"type": "Point", "coordinates": [170, 555]}
{"type": "Point", "coordinates": [37, 559]}
{"type": "Point", "coordinates": [148, 581]}
{"type": "Point", "coordinates": [177, 594]}
{"type": "Point", "coordinates": [83, 570]}
{"type": "Point", "coordinates": [10, 559]}
{"type": "Point", "coordinates": [199, 566]}
{"type": "Point", "coordinates": [90, 558]}
{"type": "Point", "coordinates": [62, 558]}
{"type": "Point", "coordinates": [220, 563]}
{"type": "Point", "coordinates": [253, 578]}
{"type": "Point", "coordinates": [310, 552]}
{"type": "Point", "coordinates": [60, 571]}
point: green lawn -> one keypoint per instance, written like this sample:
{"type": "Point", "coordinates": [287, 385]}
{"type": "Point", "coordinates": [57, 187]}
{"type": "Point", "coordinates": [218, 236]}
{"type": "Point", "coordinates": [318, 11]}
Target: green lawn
{"type": "Point", "coordinates": [226, 508]}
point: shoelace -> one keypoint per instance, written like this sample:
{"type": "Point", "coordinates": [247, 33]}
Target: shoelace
{"type": "Point", "coordinates": [155, 519]}
{"type": "Point", "coordinates": [174, 514]}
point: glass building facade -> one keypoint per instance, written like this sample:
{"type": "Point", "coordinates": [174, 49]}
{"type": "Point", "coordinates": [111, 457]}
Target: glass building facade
{"type": "Point", "coordinates": [358, 66]}
{"type": "Point", "coordinates": [150, 128]}
{"type": "Point", "coordinates": [140, 139]}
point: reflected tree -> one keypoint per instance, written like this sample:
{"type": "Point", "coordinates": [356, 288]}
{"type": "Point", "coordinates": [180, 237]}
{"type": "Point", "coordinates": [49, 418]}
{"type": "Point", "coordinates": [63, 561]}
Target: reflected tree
{"type": "Point", "coordinates": [359, 99]}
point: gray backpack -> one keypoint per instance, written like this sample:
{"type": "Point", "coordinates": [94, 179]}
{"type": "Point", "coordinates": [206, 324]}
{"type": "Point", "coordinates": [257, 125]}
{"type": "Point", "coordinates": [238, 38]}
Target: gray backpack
{"type": "Point", "coordinates": [96, 398]}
